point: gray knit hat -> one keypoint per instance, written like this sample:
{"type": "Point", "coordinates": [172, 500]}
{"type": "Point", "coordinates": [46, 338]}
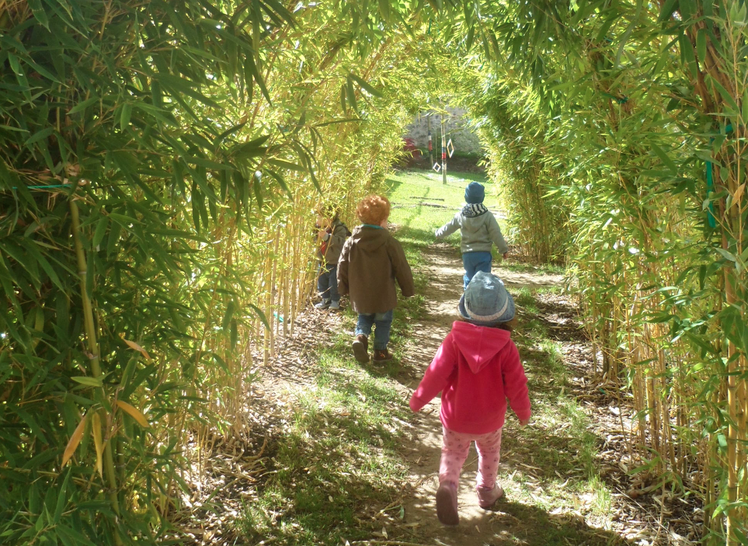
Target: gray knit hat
{"type": "Point", "coordinates": [486, 301]}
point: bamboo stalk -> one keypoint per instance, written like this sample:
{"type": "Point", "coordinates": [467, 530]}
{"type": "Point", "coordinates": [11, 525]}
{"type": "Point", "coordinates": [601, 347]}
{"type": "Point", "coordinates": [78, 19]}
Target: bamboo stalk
{"type": "Point", "coordinates": [93, 351]}
{"type": "Point", "coordinates": [288, 272]}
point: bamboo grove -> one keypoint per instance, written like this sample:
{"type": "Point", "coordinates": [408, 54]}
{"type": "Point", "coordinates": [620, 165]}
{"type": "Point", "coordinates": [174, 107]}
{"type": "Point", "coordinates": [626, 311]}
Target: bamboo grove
{"type": "Point", "coordinates": [161, 162]}
{"type": "Point", "coordinates": [630, 116]}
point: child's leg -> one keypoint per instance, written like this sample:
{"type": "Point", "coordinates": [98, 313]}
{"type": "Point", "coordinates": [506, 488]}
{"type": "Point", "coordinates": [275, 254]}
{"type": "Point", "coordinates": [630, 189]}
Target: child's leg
{"type": "Point", "coordinates": [474, 262]}
{"type": "Point", "coordinates": [469, 271]}
{"type": "Point", "coordinates": [489, 456]}
{"type": "Point", "coordinates": [382, 334]}
{"type": "Point", "coordinates": [482, 262]}
{"type": "Point", "coordinates": [455, 447]}
{"type": "Point", "coordinates": [363, 326]}
{"type": "Point", "coordinates": [323, 282]}
{"type": "Point", "coordinates": [333, 283]}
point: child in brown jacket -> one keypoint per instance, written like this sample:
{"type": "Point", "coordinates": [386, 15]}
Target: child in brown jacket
{"type": "Point", "coordinates": [369, 264]}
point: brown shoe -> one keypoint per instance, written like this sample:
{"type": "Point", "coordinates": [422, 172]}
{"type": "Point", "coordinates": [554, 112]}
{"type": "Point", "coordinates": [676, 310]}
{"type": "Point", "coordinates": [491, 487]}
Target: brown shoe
{"type": "Point", "coordinates": [361, 348]}
{"type": "Point", "coordinates": [446, 504]}
{"type": "Point", "coordinates": [487, 497]}
{"type": "Point", "coordinates": [382, 355]}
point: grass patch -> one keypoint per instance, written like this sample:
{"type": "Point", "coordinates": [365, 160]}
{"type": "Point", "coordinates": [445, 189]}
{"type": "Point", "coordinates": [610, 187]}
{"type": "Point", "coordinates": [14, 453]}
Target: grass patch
{"type": "Point", "coordinates": [337, 464]}
{"type": "Point", "coordinates": [536, 269]}
{"type": "Point", "coordinates": [421, 203]}
{"type": "Point", "coordinates": [558, 449]}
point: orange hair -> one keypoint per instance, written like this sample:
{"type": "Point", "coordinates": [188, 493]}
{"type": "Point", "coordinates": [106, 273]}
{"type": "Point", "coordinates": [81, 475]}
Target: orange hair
{"type": "Point", "coordinates": [373, 209]}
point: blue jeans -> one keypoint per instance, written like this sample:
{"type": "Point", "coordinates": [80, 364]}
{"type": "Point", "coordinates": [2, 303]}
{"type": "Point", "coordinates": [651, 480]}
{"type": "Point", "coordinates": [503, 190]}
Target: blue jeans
{"type": "Point", "coordinates": [474, 262]}
{"type": "Point", "coordinates": [382, 333]}
{"type": "Point", "coordinates": [327, 282]}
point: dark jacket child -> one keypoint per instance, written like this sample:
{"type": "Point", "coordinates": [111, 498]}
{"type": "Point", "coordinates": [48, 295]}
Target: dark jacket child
{"type": "Point", "coordinates": [369, 264]}
{"type": "Point", "coordinates": [331, 236]}
{"type": "Point", "coordinates": [477, 368]}
{"type": "Point", "coordinates": [479, 231]}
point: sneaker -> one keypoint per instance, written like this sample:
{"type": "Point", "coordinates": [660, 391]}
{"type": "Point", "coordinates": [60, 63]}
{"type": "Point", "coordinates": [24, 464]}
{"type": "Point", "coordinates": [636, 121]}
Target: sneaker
{"type": "Point", "coordinates": [488, 497]}
{"type": "Point", "coordinates": [361, 348]}
{"type": "Point", "coordinates": [382, 355]}
{"type": "Point", "coordinates": [446, 504]}
{"type": "Point", "coordinates": [324, 304]}
{"type": "Point", "coordinates": [335, 306]}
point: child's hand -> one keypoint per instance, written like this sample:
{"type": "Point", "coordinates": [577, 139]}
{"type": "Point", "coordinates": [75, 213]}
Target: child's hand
{"type": "Point", "coordinates": [505, 255]}
{"type": "Point", "coordinates": [524, 422]}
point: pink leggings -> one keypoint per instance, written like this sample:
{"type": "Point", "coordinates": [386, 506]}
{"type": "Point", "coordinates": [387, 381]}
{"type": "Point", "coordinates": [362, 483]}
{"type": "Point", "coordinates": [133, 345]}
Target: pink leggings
{"type": "Point", "coordinates": [455, 449]}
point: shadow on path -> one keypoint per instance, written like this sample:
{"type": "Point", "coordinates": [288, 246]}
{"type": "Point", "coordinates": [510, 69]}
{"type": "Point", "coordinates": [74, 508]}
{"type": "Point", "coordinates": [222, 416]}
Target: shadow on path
{"type": "Point", "coordinates": [513, 522]}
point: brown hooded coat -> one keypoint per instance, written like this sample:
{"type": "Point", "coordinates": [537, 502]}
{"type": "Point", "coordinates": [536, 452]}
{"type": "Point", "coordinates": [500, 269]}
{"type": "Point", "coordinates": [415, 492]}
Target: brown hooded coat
{"type": "Point", "coordinates": [369, 264]}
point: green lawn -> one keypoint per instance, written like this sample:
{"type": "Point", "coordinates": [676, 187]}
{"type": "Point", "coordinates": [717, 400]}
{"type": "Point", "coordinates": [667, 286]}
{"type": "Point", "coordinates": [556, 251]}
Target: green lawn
{"type": "Point", "coordinates": [421, 202]}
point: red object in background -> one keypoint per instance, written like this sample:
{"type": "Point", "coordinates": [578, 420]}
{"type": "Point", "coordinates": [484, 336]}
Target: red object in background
{"type": "Point", "coordinates": [409, 145]}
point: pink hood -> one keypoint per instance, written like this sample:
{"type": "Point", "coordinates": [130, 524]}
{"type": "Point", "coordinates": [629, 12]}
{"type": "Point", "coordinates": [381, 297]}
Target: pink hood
{"type": "Point", "coordinates": [477, 368]}
{"type": "Point", "coordinates": [478, 345]}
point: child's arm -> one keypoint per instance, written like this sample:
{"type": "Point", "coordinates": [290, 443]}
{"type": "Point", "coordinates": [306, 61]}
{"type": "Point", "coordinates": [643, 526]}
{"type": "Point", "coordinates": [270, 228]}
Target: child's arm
{"type": "Point", "coordinates": [337, 238]}
{"type": "Point", "coordinates": [401, 268]}
{"type": "Point", "coordinates": [343, 269]}
{"type": "Point", "coordinates": [495, 233]}
{"type": "Point", "coordinates": [515, 384]}
{"type": "Point", "coordinates": [448, 228]}
{"type": "Point", "coordinates": [437, 375]}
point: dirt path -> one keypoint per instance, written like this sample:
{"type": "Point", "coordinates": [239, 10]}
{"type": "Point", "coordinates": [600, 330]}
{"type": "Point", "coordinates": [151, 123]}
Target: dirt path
{"type": "Point", "coordinates": [573, 519]}
{"type": "Point", "coordinates": [477, 526]}
{"type": "Point", "coordinates": [544, 469]}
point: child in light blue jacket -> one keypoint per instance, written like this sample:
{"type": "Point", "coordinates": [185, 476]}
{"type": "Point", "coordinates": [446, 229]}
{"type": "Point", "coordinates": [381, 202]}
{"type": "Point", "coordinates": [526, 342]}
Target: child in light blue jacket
{"type": "Point", "coordinates": [479, 230]}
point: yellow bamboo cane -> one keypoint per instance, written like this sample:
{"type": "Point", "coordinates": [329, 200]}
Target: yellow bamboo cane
{"type": "Point", "coordinates": [93, 351]}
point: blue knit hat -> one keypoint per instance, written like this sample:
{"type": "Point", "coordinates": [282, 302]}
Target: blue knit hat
{"type": "Point", "coordinates": [486, 301]}
{"type": "Point", "coordinates": [474, 193]}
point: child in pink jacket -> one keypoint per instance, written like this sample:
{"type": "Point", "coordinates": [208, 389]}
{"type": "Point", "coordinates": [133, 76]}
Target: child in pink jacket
{"type": "Point", "coordinates": [477, 368]}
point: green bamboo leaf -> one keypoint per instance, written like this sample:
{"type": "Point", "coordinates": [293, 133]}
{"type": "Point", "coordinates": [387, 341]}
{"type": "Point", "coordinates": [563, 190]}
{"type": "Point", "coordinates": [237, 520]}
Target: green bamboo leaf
{"type": "Point", "coordinates": [726, 254]}
{"type": "Point", "coordinates": [38, 433]}
{"type": "Point", "coordinates": [286, 165]}
{"type": "Point", "coordinates": [22, 259]}
{"type": "Point", "coordinates": [125, 115]}
{"type": "Point", "coordinates": [701, 45]}
{"type": "Point", "coordinates": [351, 94]}
{"type": "Point", "coordinates": [228, 315]}
{"type": "Point", "coordinates": [687, 9]}
{"type": "Point", "coordinates": [251, 67]}
{"type": "Point", "coordinates": [88, 381]}
{"type": "Point", "coordinates": [364, 84]}
{"type": "Point", "coordinates": [384, 10]}
{"type": "Point", "coordinates": [39, 14]}
{"type": "Point", "coordinates": [183, 86]}
{"type": "Point", "coordinates": [45, 265]}
{"type": "Point", "coordinates": [281, 182]}
{"type": "Point", "coordinates": [113, 239]}
{"type": "Point", "coordinates": [260, 314]}
{"type": "Point", "coordinates": [257, 188]}
{"type": "Point", "coordinates": [664, 157]}
{"type": "Point", "coordinates": [83, 105]}
{"type": "Point", "coordinates": [100, 232]}
{"type": "Point", "coordinates": [234, 338]}
{"type": "Point", "coordinates": [62, 498]}
{"type": "Point", "coordinates": [667, 10]}
{"type": "Point", "coordinates": [286, 16]}
{"type": "Point", "coordinates": [41, 135]}
{"type": "Point", "coordinates": [726, 96]}
{"type": "Point", "coordinates": [76, 538]}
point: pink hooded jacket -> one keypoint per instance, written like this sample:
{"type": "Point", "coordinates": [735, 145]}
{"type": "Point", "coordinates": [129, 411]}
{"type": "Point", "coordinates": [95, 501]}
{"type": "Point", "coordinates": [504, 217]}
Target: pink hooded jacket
{"type": "Point", "coordinates": [476, 368]}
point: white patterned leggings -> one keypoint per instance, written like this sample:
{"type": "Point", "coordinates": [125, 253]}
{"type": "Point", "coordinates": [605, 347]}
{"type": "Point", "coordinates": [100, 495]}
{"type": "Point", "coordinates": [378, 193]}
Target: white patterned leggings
{"type": "Point", "coordinates": [455, 448]}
